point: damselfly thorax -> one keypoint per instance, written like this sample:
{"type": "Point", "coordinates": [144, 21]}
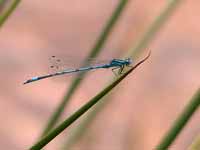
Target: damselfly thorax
{"type": "Point", "coordinates": [114, 64]}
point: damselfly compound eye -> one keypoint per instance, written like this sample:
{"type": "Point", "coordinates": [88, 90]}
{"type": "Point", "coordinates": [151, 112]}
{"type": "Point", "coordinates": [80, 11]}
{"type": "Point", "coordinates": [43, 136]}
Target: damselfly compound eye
{"type": "Point", "coordinates": [115, 64]}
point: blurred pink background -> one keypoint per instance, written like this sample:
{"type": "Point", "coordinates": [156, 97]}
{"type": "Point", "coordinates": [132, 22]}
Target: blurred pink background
{"type": "Point", "coordinates": [145, 104]}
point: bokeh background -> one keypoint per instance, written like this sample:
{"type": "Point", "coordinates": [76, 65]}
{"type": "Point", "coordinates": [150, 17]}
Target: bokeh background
{"type": "Point", "coordinates": [143, 106]}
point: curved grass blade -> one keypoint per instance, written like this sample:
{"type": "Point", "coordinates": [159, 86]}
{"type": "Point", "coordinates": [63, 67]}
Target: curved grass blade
{"type": "Point", "coordinates": [147, 37]}
{"type": "Point", "coordinates": [52, 134]}
{"type": "Point", "coordinates": [2, 5]}
{"type": "Point", "coordinates": [195, 144]}
{"type": "Point", "coordinates": [153, 29]}
{"type": "Point", "coordinates": [180, 123]}
{"type": "Point", "coordinates": [8, 12]}
{"type": "Point", "coordinates": [94, 52]}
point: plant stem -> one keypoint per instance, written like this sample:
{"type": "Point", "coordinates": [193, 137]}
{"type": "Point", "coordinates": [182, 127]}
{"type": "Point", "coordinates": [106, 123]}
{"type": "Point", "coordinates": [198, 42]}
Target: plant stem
{"type": "Point", "coordinates": [195, 144]}
{"type": "Point", "coordinates": [140, 46]}
{"type": "Point", "coordinates": [153, 29]}
{"type": "Point", "coordinates": [181, 121]}
{"type": "Point", "coordinates": [8, 12]}
{"type": "Point", "coordinates": [94, 52]}
{"type": "Point", "coordinates": [52, 134]}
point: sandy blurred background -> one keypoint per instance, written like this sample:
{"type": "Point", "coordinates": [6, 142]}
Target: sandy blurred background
{"type": "Point", "coordinates": [145, 104]}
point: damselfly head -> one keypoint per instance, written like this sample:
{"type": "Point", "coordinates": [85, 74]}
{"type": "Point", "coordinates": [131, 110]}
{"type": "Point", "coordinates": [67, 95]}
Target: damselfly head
{"type": "Point", "coordinates": [128, 61]}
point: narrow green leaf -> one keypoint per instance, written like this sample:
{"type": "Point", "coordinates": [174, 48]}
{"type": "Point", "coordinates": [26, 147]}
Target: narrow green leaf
{"type": "Point", "coordinates": [2, 1]}
{"type": "Point", "coordinates": [137, 49]}
{"type": "Point", "coordinates": [180, 123]}
{"type": "Point", "coordinates": [195, 144]}
{"type": "Point", "coordinates": [154, 27]}
{"type": "Point", "coordinates": [4, 16]}
{"type": "Point", "coordinates": [52, 134]}
{"type": "Point", "coordinates": [94, 52]}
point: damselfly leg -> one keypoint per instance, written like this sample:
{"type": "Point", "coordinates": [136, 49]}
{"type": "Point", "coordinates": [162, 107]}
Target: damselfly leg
{"type": "Point", "coordinates": [114, 63]}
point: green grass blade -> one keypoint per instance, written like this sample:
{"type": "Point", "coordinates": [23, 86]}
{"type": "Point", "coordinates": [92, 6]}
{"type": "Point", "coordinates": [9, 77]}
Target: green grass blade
{"type": "Point", "coordinates": [195, 144]}
{"type": "Point", "coordinates": [2, 2]}
{"type": "Point", "coordinates": [94, 52]}
{"type": "Point", "coordinates": [154, 28]}
{"type": "Point", "coordinates": [147, 37]}
{"type": "Point", "coordinates": [78, 131]}
{"type": "Point", "coordinates": [52, 134]}
{"type": "Point", "coordinates": [181, 121]}
{"type": "Point", "coordinates": [4, 16]}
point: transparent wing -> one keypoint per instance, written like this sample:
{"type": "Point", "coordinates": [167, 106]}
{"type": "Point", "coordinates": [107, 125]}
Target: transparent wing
{"type": "Point", "coordinates": [58, 64]}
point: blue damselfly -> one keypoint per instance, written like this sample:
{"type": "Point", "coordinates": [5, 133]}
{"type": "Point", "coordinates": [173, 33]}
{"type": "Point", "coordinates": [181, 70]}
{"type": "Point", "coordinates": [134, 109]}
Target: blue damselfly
{"type": "Point", "coordinates": [114, 64]}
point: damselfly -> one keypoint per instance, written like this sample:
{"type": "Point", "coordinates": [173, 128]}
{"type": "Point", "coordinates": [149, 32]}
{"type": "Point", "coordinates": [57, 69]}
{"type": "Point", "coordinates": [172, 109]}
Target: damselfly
{"type": "Point", "coordinates": [114, 64]}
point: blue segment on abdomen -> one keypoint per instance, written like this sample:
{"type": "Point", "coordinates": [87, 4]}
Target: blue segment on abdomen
{"type": "Point", "coordinates": [34, 78]}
